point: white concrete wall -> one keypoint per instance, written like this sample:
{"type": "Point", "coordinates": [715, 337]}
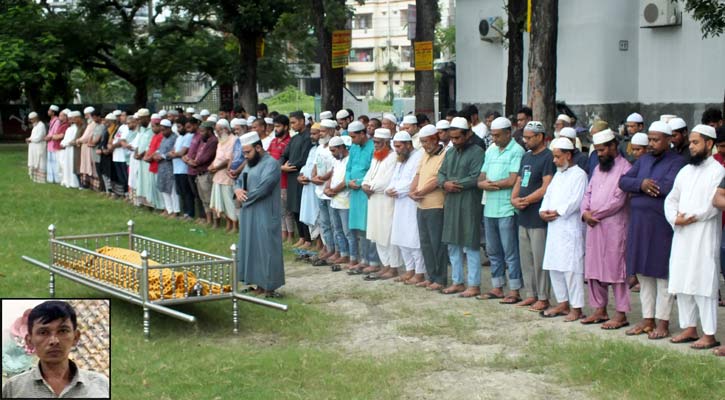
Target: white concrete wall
{"type": "Point", "coordinates": [662, 65]}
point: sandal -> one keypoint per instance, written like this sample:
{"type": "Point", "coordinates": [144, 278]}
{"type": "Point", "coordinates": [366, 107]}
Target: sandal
{"type": "Point", "coordinates": [510, 300]}
{"type": "Point", "coordinates": [620, 325]}
{"type": "Point", "coordinates": [687, 339]}
{"type": "Point", "coordinates": [320, 262]}
{"type": "Point", "coordinates": [706, 347]}
{"type": "Point", "coordinates": [273, 295]}
{"type": "Point", "coordinates": [355, 271]}
{"type": "Point", "coordinates": [489, 296]}
{"type": "Point", "coordinates": [372, 277]}
{"type": "Point", "coordinates": [335, 268]}
{"type": "Point", "coordinates": [543, 314]}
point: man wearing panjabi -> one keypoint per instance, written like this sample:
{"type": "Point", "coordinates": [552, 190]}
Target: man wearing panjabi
{"type": "Point", "coordinates": [36, 149]}
{"type": "Point", "coordinates": [260, 219]}
{"type": "Point", "coordinates": [695, 256]}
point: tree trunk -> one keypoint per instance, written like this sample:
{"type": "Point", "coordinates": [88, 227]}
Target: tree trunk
{"type": "Point", "coordinates": [426, 19]}
{"type": "Point", "coordinates": [331, 80]}
{"type": "Point", "coordinates": [141, 96]}
{"type": "Point", "coordinates": [515, 35]}
{"type": "Point", "coordinates": [247, 83]}
{"type": "Point", "coordinates": [542, 61]}
{"type": "Point", "coordinates": [32, 93]}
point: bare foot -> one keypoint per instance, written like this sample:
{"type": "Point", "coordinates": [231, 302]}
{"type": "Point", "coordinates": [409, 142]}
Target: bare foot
{"type": "Point", "coordinates": [540, 305]}
{"type": "Point", "coordinates": [407, 275]}
{"type": "Point", "coordinates": [619, 321]}
{"type": "Point", "coordinates": [526, 302]}
{"type": "Point", "coordinates": [599, 316]}
{"type": "Point", "coordinates": [705, 342]}
{"type": "Point", "coordinates": [574, 314]}
{"type": "Point", "coordinates": [455, 288]}
{"type": "Point", "coordinates": [415, 280]}
{"type": "Point", "coordinates": [472, 291]}
{"type": "Point", "coordinates": [644, 326]}
{"type": "Point", "coordinates": [662, 331]}
{"type": "Point", "coordinates": [687, 335]}
{"type": "Point", "coordinates": [435, 286]}
{"type": "Point", "coordinates": [426, 283]}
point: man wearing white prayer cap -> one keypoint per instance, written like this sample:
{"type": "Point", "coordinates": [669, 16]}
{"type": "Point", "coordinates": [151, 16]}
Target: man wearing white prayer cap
{"type": "Point", "coordinates": [204, 113]}
{"type": "Point", "coordinates": [389, 121]}
{"type": "Point", "coordinates": [680, 142]}
{"type": "Point", "coordinates": [343, 118]}
{"type": "Point", "coordinates": [562, 121]}
{"type": "Point", "coordinates": [54, 107]}
{"type": "Point", "coordinates": [261, 262]}
{"type": "Point", "coordinates": [268, 120]}
{"type": "Point", "coordinates": [634, 123]}
{"type": "Point", "coordinates": [442, 127]}
{"type": "Point", "coordinates": [410, 124]}
{"type": "Point", "coordinates": [697, 225]}
{"type": "Point", "coordinates": [639, 144]}
{"type": "Point", "coordinates": [564, 250]}
{"type": "Point", "coordinates": [497, 179]}
{"type": "Point", "coordinates": [380, 210]}
{"type": "Point", "coordinates": [581, 159]}
{"type": "Point", "coordinates": [326, 115]}
{"type": "Point", "coordinates": [37, 154]}
{"type": "Point", "coordinates": [457, 176]}
{"type": "Point", "coordinates": [162, 113]}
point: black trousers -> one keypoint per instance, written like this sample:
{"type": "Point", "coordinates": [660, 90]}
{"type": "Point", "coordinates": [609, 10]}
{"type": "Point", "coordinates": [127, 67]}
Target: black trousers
{"type": "Point", "coordinates": [196, 200]}
{"type": "Point", "coordinates": [120, 178]}
{"type": "Point", "coordinates": [435, 252]}
{"type": "Point", "coordinates": [302, 228]}
{"type": "Point", "coordinates": [183, 189]}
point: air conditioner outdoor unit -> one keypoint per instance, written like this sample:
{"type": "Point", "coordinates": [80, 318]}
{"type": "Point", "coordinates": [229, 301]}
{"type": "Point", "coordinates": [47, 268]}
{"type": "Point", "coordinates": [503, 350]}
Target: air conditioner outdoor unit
{"type": "Point", "coordinates": [491, 29]}
{"type": "Point", "coordinates": [656, 13]}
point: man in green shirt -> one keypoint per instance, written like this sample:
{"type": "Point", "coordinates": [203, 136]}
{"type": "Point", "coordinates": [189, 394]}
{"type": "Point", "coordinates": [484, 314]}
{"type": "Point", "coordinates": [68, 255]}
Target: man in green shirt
{"type": "Point", "coordinates": [497, 178]}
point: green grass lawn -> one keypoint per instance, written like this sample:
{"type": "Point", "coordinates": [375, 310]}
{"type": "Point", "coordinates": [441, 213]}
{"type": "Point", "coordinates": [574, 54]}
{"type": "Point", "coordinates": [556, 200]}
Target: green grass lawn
{"type": "Point", "coordinates": [289, 355]}
{"type": "Point", "coordinates": [290, 100]}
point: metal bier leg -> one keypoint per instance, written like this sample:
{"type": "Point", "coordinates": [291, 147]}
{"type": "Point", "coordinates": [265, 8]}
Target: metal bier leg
{"type": "Point", "coordinates": [51, 283]}
{"type": "Point", "coordinates": [235, 283]}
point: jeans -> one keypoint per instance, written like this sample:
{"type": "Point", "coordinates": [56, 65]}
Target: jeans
{"type": "Point", "coordinates": [325, 222]}
{"type": "Point", "coordinates": [344, 238]}
{"type": "Point", "coordinates": [455, 253]}
{"type": "Point", "coordinates": [368, 252]}
{"type": "Point", "coordinates": [502, 246]}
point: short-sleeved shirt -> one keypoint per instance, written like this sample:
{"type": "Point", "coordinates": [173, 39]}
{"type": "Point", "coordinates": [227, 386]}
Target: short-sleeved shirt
{"type": "Point", "coordinates": [180, 167]}
{"type": "Point", "coordinates": [534, 167]}
{"type": "Point", "coordinates": [498, 165]}
{"type": "Point", "coordinates": [31, 384]}
{"type": "Point", "coordinates": [340, 201]}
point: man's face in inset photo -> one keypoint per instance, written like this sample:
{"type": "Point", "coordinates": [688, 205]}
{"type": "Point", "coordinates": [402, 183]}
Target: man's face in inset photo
{"type": "Point", "coordinates": [53, 340]}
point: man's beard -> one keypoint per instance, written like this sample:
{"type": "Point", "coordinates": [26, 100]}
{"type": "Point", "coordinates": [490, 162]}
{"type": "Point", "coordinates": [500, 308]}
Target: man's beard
{"type": "Point", "coordinates": [698, 158]}
{"type": "Point", "coordinates": [562, 168]}
{"type": "Point", "coordinates": [403, 156]}
{"type": "Point", "coordinates": [254, 160]}
{"type": "Point", "coordinates": [278, 133]}
{"type": "Point", "coordinates": [606, 163]}
{"type": "Point", "coordinates": [380, 155]}
{"type": "Point", "coordinates": [324, 140]}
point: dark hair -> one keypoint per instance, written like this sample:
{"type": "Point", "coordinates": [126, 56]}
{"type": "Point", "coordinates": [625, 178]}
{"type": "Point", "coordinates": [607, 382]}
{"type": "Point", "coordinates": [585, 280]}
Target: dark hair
{"type": "Point", "coordinates": [452, 113]}
{"type": "Point", "coordinates": [239, 109]}
{"type": "Point", "coordinates": [181, 120]}
{"type": "Point", "coordinates": [261, 122]}
{"type": "Point", "coordinates": [422, 118]}
{"type": "Point", "coordinates": [273, 114]}
{"type": "Point", "coordinates": [376, 122]}
{"type": "Point", "coordinates": [352, 113]}
{"type": "Point", "coordinates": [226, 108]}
{"type": "Point", "coordinates": [52, 310]}
{"type": "Point", "coordinates": [297, 115]}
{"type": "Point", "coordinates": [527, 111]}
{"type": "Point", "coordinates": [260, 107]}
{"type": "Point", "coordinates": [465, 114]}
{"type": "Point", "coordinates": [96, 113]}
{"type": "Point", "coordinates": [711, 115]}
{"type": "Point", "coordinates": [472, 109]}
{"type": "Point", "coordinates": [282, 120]}
{"type": "Point", "coordinates": [180, 110]}
{"type": "Point", "coordinates": [494, 114]}
{"type": "Point", "coordinates": [365, 119]}
{"type": "Point", "coordinates": [193, 120]}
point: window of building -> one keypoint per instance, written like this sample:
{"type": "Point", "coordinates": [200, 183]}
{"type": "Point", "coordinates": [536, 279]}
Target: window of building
{"type": "Point", "coordinates": [361, 55]}
{"type": "Point", "coordinates": [361, 88]}
{"type": "Point", "coordinates": [405, 54]}
{"type": "Point", "coordinates": [403, 18]}
{"type": "Point", "coordinates": [362, 21]}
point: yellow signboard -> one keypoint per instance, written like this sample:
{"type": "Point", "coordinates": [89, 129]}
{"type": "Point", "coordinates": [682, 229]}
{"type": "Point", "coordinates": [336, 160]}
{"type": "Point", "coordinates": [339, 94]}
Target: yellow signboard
{"type": "Point", "coordinates": [341, 41]}
{"type": "Point", "coordinates": [423, 56]}
{"type": "Point", "coordinates": [260, 47]}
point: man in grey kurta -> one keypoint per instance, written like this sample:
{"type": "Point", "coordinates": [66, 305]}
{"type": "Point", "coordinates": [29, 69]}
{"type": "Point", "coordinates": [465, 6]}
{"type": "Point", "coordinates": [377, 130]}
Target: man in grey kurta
{"type": "Point", "coordinates": [260, 245]}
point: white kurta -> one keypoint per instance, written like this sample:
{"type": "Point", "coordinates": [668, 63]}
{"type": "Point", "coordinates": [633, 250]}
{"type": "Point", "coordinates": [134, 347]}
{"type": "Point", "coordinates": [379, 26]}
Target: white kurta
{"type": "Point", "coordinates": [380, 206]}
{"type": "Point", "coordinates": [309, 208]}
{"type": "Point", "coordinates": [564, 249]}
{"type": "Point", "coordinates": [68, 178]}
{"type": "Point", "coordinates": [695, 256]}
{"type": "Point", "coordinates": [405, 220]}
{"type": "Point", "coordinates": [133, 164]}
{"type": "Point", "coordinates": [37, 148]}
{"type": "Point", "coordinates": [324, 162]}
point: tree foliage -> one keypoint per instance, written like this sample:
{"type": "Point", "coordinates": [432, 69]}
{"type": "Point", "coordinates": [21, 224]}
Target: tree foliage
{"type": "Point", "coordinates": [710, 14]}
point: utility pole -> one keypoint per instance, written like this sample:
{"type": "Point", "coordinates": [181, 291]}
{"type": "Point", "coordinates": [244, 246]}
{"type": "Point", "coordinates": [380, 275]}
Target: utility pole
{"type": "Point", "coordinates": [389, 65]}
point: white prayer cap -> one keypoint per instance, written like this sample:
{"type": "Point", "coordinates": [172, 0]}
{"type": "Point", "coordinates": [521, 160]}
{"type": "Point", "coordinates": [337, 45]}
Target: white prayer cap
{"type": "Point", "coordinates": [237, 122]}
{"type": "Point", "coordinates": [602, 137]}
{"type": "Point", "coordinates": [677, 123]}
{"type": "Point", "coordinates": [54, 108]}
{"type": "Point", "coordinates": [537, 127]}
{"type": "Point", "coordinates": [191, 110]}
{"type": "Point", "coordinates": [403, 136]}
{"type": "Point", "coordinates": [342, 114]}
{"type": "Point", "coordinates": [564, 118]}
{"type": "Point", "coordinates": [249, 138]}
{"type": "Point", "coordinates": [143, 112]}
{"type": "Point", "coordinates": [459, 123]}
{"type": "Point", "coordinates": [204, 112]}
{"type": "Point", "coordinates": [706, 130]}
{"type": "Point", "coordinates": [88, 110]}
{"type": "Point", "coordinates": [173, 112]}
{"type": "Point", "coordinates": [568, 133]}
{"type": "Point", "coordinates": [640, 139]}
{"type": "Point", "coordinates": [66, 111]}
{"type": "Point", "coordinates": [166, 123]}
{"type": "Point", "coordinates": [382, 133]}
{"type": "Point", "coordinates": [410, 119]}
{"type": "Point", "coordinates": [667, 117]}
{"type": "Point", "coordinates": [131, 117]}
{"type": "Point", "coordinates": [328, 123]}
{"type": "Point", "coordinates": [251, 119]}
{"type": "Point", "coordinates": [562, 144]}
{"type": "Point", "coordinates": [155, 116]}
{"type": "Point", "coordinates": [347, 140]}
{"type": "Point", "coordinates": [635, 117]}
{"type": "Point", "coordinates": [355, 126]}
{"type": "Point", "coordinates": [501, 123]}
{"type": "Point", "coordinates": [74, 114]}
{"type": "Point", "coordinates": [269, 120]}
{"type": "Point", "coordinates": [33, 115]}
{"type": "Point", "coordinates": [196, 116]}
{"type": "Point", "coordinates": [117, 112]}
{"type": "Point", "coordinates": [212, 118]}
{"type": "Point", "coordinates": [223, 123]}
{"type": "Point", "coordinates": [390, 117]}
{"type": "Point", "coordinates": [336, 141]}
{"type": "Point", "coordinates": [162, 113]}
{"type": "Point", "coordinates": [326, 115]}
{"type": "Point", "coordinates": [442, 125]}
{"type": "Point", "coordinates": [110, 117]}
{"type": "Point", "coordinates": [307, 116]}
{"type": "Point", "coordinates": [428, 130]}
{"type": "Point", "coordinates": [659, 126]}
